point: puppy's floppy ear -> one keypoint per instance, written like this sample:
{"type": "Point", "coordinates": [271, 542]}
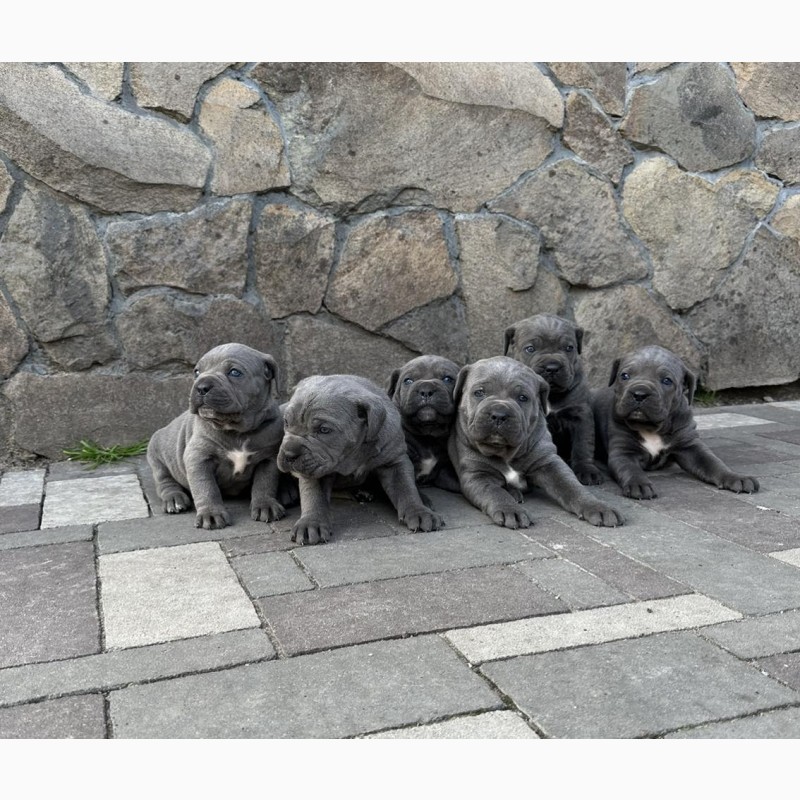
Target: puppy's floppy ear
{"type": "Point", "coordinates": [511, 332]}
{"type": "Point", "coordinates": [579, 339]}
{"type": "Point", "coordinates": [614, 371]}
{"type": "Point", "coordinates": [271, 373]}
{"type": "Point", "coordinates": [689, 384]}
{"type": "Point", "coordinates": [460, 380]}
{"type": "Point", "coordinates": [373, 412]}
{"type": "Point", "coordinates": [391, 385]}
{"type": "Point", "coordinates": [544, 393]}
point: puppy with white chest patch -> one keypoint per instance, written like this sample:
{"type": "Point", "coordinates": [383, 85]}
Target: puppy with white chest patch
{"type": "Point", "coordinates": [422, 390]}
{"type": "Point", "coordinates": [501, 446]}
{"type": "Point", "coordinates": [227, 441]}
{"type": "Point", "coordinates": [644, 421]}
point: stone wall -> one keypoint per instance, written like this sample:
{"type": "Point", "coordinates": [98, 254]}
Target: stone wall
{"type": "Point", "coordinates": [346, 217]}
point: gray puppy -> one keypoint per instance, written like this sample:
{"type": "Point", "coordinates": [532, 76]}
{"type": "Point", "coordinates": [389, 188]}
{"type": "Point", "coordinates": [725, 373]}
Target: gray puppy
{"type": "Point", "coordinates": [227, 441]}
{"type": "Point", "coordinates": [422, 390]}
{"type": "Point", "coordinates": [551, 347]}
{"type": "Point", "coordinates": [340, 429]}
{"type": "Point", "coordinates": [501, 444]}
{"type": "Point", "coordinates": [644, 421]}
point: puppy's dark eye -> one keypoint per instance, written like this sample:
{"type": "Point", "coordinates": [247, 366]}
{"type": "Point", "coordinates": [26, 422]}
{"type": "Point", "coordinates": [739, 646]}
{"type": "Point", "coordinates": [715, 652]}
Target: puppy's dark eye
{"type": "Point", "coordinates": [324, 429]}
{"type": "Point", "coordinates": [447, 378]}
{"type": "Point", "coordinates": [530, 349]}
{"type": "Point", "coordinates": [623, 376]}
{"type": "Point", "coordinates": [479, 393]}
{"type": "Point", "coordinates": [569, 348]}
{"type": "Point", "coordinates": [666, 381]}
{"type": "Point", "coordinates": [196, 373]}
{"type": "Point", "coordinates": [234, 373]}
{"type": "Point", "coordinates": [408, 381]}
{"type": "Point", "coordinates": [523, 398]}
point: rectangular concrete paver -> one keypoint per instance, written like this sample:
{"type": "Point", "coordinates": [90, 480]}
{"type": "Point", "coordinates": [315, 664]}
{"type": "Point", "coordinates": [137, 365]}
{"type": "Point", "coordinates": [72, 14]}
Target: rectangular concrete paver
{"type": "Point", "coordinates": [758, 636]}
{"type": "Point", "coordinates": [265, 574]}
{"type": "Point", "coordinates": [784, 723]}
{"type": "Point", "coordinates": [151, 596]}
{"type": "Point", "coordinates": [82, 500]}
{"type": "Point", "coordinates": [71, 533]}
{"type": "Point", "coordinates": [345, 615]}
{"type": "Point", "coordinates": [727, 419]}
{"type": "Point", "coordinates": [785, 667]}
{"type": "Point", "coordinates": [345, 692]}
{"type": "Point", "coordinates": [634, 688]}
{"type": "Point", "coordinates": [489, 725]}
{"type": "Point", "coordinates": [21, 487]}
{"type": "Point", "coordinates": [789, 556]}
{"type": "Point", "coordinates": [595, 625]}
{"type": "Point", "coordinates": [80, 717]}
{"type": "Point", "coordinates": [19, 518]}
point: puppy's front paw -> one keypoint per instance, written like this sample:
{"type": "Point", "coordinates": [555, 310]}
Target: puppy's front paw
{"type": "Point", "coordinates": [639, 491]}
{"type": "Point", "coordinates": [423, 519]}
{"type": "Point", "coordinates": [176, 503]}
{"type": "Point", "coordinates": [212, 518]}
{"type": "Point", "coordinates": [267, 510]}
{"type": "Point", "coordinates": [601, 515]}
{"type": "Point", "coordinates": [510, 517]}
{"type": "Point", "coordinates": [588, 474]}
{"type": "Point", "coordinates": [739, 484]}
{"type": "Point", "coordinates": [311, 530]}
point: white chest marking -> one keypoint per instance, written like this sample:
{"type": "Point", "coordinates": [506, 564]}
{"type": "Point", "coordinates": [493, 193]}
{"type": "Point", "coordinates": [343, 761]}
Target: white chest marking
{"type": "Point", "coordinates": [652, 442]}
{"type": "Point", "coordinates": [513, 478]}
{"type": "Point", "coordinates": [239, 459]}
{"type": "Point", "coordinates": [426, 467]}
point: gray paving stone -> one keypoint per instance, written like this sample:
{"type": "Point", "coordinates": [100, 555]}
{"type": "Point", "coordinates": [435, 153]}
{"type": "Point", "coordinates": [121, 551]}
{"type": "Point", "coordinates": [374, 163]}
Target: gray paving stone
{"type": "Point", "coordinates": [781, 724]}
{"type": "Point", "coordinates": [267, 542]}
{"type": "Point", "coordinates": [344, 692]}
{"type": "Point", "coordinates": [593, 626]}
{"type": "Point", "coordinates": [575, 586]}
{"type": "Point", "coordinates": [750, 449]}
{"type": "Point", "coordinates": [49, 603]}
{"type": "Point", "coordinates": [88, 500]}
{"type": "Point", "coordinates": [71, 533]}
{"type": "Point", "coordinates": [736, 576]}
{"type": "Point", "coordinates": [80, 717]}
{"type": "Point", "coordinates": [351, 521]}
{"type": "Point", "coordinates": [489, 725]}
{"type": "Point", "coordinates": [789, 556]}
{"type": "Point", "coordinates": [151, 596]}
{"type": "Point", "coordinates": [457, 511]}
{"type": "Point", "coordinates": [792, 436]}
{"type": "Point", "coordinates": [629, 576]}
{"type": "Point", "coordinates": [727, 419]}
{"type": "Point", "coordinates": [22, 487]}
{"type": "Point", "coordinates": [67, 470]}
{"type": "Point", "coordinates": [19, 518]}
{"type": "Point", "coordinates": [265, 574]}
{"type": "Point", "coordinates": [634, 688]}
{"type": "Point", "coordinates": [784, 667]}
{"type": "Point", "coordinates": [758, 636]}
{"type": "Point", "coordinates": [416, 554]}
{"type": "Point", "coordinates": [135, 665]}
{"type": "Point", "coordinates": [351, 614]}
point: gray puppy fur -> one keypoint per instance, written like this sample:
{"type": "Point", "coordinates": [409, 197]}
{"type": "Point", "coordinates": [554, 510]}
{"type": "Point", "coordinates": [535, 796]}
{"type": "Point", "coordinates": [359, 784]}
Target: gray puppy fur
{"type": "Point", "coordinates": [644, 421]}
{"type": "Point", "coordinates": [551, 347]}
{"type": "Point", "coordinates": [227, 441]}
{"type": "Point", "coordinates": [501, 445]}
{"type": "Point", "coordinates": [345, 427]}
{"type": "Point", "coordinates": [422, 390]}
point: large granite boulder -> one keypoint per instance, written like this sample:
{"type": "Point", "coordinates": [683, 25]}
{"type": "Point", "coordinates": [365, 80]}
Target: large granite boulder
{"type": "Point", "coordinates": [770, 88]}
{"type": "Point", "coordinates": [13, 340]}
{"type": "Point", "coordinates": [779, 154]}
{"type": "Point", "coordinates": [103, 78]}
{"type": "Point", "coordinates": [6, 184]}
{"type": "Point", "coordinates": [605, 79]}
{"type": "Point", "coordinates": [787, 218]}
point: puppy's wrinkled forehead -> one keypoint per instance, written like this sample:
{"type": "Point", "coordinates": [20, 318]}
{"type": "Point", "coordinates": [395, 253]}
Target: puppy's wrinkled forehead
{"type": "Point", "coordinates": [652, 361]}
{"type": "Point", "coordinates": [225, 356]}
{"type": "Point", "coordinates": [428, 367]}
{"type": "Point", "coordinates": [502, 373]}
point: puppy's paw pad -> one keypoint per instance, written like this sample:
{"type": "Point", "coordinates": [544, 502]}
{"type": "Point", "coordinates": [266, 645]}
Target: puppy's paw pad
{"type": "Point", "coordinates": [308, 530]}
{"type": "Point", "coordinates": [176, 503]}
{"type": "Point", "coordinates": [602, 516]}
{"type": "Point", "coordinates": [268, 511]}
{"type": "Point", "coordinates": [511, 518]}
{"type": "Point", "coordinates": [212, 519]}
{"type": "Point", "coordinates": [423, 521]}
{"type": "Point", "coordinates": [740, 484]}
{"type": "Point", "coordinates": [589, 477]}
{"type": "Point", "coordinates": [640, 491]}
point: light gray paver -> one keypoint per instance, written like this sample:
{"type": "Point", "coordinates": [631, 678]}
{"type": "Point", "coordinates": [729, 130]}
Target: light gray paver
{"type": "Point", "coordinates": [788, 556]}
{"type": "Point", "coordinates": [417, 554]}
{"type": "Point", "coordinates": [22, 487]}
{"type": "Point", "coordinates": [71, 533]}
{"type": "Point", "coordinates": [633, 688]}
{"type": "Point", "coordinates": [345, 692]}
{"type": "Point", "coordinates": [758, 636]}
{"type": "Point", "coordinates": [726, 419]}
{"type": "Point", "coordinates": [781, 724]}
{"type": "Point", "coordinates": [595, 625]}
{"type": "Point", "coordinates": [489, 725]}
{"type": "Point", "coordinates": [82, 500]}
{"type": "Point", "coordinates": [265, 574]}
{"type": "Point", "coordinates": [135, 665]}
{"type": "Point", "coordinates": [81, 717]}
{"type": "Point", "coordinates": [151, 596]}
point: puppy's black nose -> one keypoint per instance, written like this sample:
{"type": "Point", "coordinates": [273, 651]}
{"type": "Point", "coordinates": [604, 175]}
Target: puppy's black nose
{"type": "Point", "coordinates": [551, 367]}
{"type": "Point", "coordinates": [499, 416]}
{"type": "Point", "coordinates": [640, 394]}
{"type": "Point", "coordinates": [425, 394]}
{"type": "Point", "coordinates": [203, 388]}
{"type": "Point", "coordinates": [290, 458]}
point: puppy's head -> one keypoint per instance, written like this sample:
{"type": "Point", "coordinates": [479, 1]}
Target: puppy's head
{"type": "Point", "coordinates": [327, 423]}
{"type": "Point", "coordinates": [235, 388]}
{"type": "Point", "coordinates": [651, 386]}
{"type": "Point", "coordinates": [422, 390]}
{"type": "Point", "coordinates": [501, 406]}
{"type": "Point", "coordinates": [551, 347]}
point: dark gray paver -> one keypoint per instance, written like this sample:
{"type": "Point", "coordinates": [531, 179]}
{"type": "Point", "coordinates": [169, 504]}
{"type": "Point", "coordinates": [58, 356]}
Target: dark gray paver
{"type": "Point", "coordinates": [784, 667]}
{"type": "Point", "coordinates": [750, 448]}
{"type": "Point", "coordinates": [48, 600]}
{"type": "Point", "coordinates": [792, 436]}
{"type": "Point", "coordinates": [351, 614]}
{"type": "Point", "coordinates": [265, 574]}
{"type": "Point", "coordinates": [575, 586]}
{"type": "Point", "coordinates": [19, 518]}
{"type": "Point", "coordinates": [266, 542]}
{"type": "Point", "coordinates": [69, 533]}
{"type": "Point", "coordinates": [758, 636]}
{"type": "Point", "coordinates": [67, 470]}
{"type": "Point", "coordinates": [135, 665]}
{"type": "Point", "coordinates": [781, 724]}
{"type": "Point", "coordinates": [351, 521]}
{"type": "Point", "coordinates": [632, 577]}
{"type": "Point", "coordinates": [79, 717]}
{"type": "Point", "coordinates": [416, 554]}
{"type": "Point", "coordinates": [634, 688]}
{"type": "Point", "coordinates": [344, 692]}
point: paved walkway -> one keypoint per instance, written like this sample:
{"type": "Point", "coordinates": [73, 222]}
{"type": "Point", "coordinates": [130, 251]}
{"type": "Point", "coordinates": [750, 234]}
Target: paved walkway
{"type": "Point", "coordinates": [119, 621]}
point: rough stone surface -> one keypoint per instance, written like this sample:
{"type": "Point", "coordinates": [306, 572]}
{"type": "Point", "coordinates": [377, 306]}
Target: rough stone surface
{"type": "Point", "coordinates": [579, 221]}
{"type": "Point", "coordinates": [81, 717]}
{"type": "Point", "coordinates": [13, 339]}
{"type": "Point", "coordinates": [770, 88]}
{"type": "Point", "coordinates": [95, 151]}
{"type": "Point", "coordinates": [590, 135]}
{"type": "Point", "coordinates": [405, 251]}
{"type": "Point", "coordinates": [690, 226]}
{"type": "Point", "coordinates": [111, 418]}
{"type": "Point", "coordinates": [738, 323]}
{"type": "Point", "coordinates": [500, 270]}
{"type": "Point", "coordinates": [6, 184]}
{"type": "Point", "coordinates": [34, 538]}
{"type": "Point", "coordinates": [761, 636]}
{"type": "Point", "coordinates": [204, 251]}
{"type": "Point", "coordinates": [53, 266]}
{"type": "Point", "coordinates": [785, 667]}
{"type": "Point", "coordinates": [293, 256]}
{"type": "Point", "coordinates": [248, 143]}
{"type": "Point", "coordinates": [104, 78]}
{"type": "Point", "coordinates": [623, 319]}
{"type": "Point", "coordinates": [692, 113]}
{"type": "Point", "coordinates": [162, 328]}
{"type": "Point", "coordinates": [489, 725]}
{"type": "Point", "coordinates": [266, 574]}
{"type": "Point", "coordinates": [787, 218]}
{"type": "Point", "coordinates": [19, 517]}
{"type": "Point", "coordinates": [778, 155]}
{"type": "Point", "coordinates": [752, 188]}
{"type": "Point", "coordinates": [781, 724]}
{"type": "Point", "coordinates": [349, 151]}
{"type": "Point", "coordinates": [21, 487]}
{"type": "Point", "coordinates": [605, 79]}
{"type": "Point", "coordinates": [172, 86]}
